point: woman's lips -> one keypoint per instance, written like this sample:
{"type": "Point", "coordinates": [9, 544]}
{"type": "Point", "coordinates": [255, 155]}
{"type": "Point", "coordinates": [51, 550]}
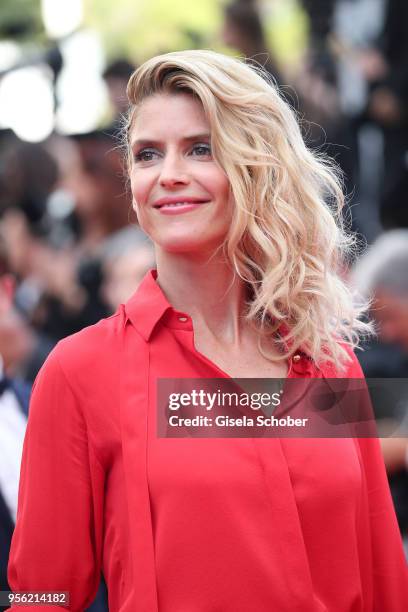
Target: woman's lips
{"type": "Point", "coordinates": [177, 208]}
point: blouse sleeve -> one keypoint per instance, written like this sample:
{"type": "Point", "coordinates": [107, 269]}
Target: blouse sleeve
{"type": "Point", "coordinates": [56, 545]}
{"type": "Point", "coordinates": [389, 567]}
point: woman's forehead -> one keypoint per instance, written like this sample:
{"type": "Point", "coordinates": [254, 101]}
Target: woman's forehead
{"type": "Point", "coordinates": [167, 113]}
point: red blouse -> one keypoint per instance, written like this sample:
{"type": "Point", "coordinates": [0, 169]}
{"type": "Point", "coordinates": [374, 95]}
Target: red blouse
{"type": "Point", "coordinates": [188, 524]}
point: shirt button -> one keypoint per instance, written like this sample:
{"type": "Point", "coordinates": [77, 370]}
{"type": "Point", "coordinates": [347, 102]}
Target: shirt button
{"type": "Point", "coordinates": [183, 319]}
{"type": "Point", "coordinates": [296, 358]}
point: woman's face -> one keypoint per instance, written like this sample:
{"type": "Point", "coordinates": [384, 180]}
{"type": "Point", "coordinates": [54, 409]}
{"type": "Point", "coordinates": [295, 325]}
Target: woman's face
{"type": "Point", "coordinates": [181, 195]}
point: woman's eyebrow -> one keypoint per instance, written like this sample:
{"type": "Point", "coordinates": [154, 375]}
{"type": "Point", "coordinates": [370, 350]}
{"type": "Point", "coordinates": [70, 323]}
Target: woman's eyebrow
{"type": "Point", "coordinates": [143, 142]}
{"type": "Point", "coordinates": [202, 136]}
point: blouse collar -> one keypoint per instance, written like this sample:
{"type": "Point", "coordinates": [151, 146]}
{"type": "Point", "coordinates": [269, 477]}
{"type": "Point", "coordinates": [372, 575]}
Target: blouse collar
{"type": "Point", "coordinates": [148, 305]}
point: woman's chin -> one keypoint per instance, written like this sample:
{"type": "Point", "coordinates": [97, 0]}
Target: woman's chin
{"type": "Point", "coordinates": [188, 246]}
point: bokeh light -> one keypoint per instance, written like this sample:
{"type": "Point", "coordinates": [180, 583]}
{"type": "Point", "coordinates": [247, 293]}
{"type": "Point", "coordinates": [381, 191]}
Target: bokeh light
{"type": "Point", "coordinates": [61, 17]}
{"type": "Point", "coordinates": [26, 102]}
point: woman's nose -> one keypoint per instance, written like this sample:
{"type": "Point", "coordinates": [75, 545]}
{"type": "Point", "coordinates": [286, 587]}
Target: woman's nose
{"type": "Point", "coordinates": [173, 171]}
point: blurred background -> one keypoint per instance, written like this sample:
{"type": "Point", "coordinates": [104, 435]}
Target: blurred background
{"type": "Point", "coordinates": [70, 248]}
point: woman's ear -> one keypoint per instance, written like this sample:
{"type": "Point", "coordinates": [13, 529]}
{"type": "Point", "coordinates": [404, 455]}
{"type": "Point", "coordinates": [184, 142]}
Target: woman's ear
{"type": "Point", "coordinates": [134, 205]}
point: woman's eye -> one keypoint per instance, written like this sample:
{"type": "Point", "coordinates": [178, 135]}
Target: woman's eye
{"type": "Point", "coordinates": [146, 155]}
{"type": "Point", "coordinates": [202, 150]}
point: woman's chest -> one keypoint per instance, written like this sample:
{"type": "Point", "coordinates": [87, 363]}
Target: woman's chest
{"type": "Point", "coordinates": [243, 361]}
{"type": "Point", "coordinates": [247, 364]}
{"type": "Point", "coordinates": [290, 480]}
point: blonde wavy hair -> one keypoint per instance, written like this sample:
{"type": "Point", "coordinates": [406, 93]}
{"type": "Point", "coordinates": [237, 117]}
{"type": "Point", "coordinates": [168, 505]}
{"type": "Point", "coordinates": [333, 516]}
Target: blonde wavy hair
{"type": "Point", "coordinates": [286, 239]}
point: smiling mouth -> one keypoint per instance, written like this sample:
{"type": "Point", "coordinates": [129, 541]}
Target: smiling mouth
{"type": "Point", "coordinates": [174, 204]}
{"type": "Point", "coordinates": [179, 204]}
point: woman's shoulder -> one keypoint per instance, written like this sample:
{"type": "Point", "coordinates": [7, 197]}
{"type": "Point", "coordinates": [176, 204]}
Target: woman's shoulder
{"type": "Point", "coordinates": [90, 352]}
{"type": "Point", "coordinates": [351, 368]}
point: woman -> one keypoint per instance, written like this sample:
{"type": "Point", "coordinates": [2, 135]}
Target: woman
{"type": "Point", "coordinates": [246, 286]}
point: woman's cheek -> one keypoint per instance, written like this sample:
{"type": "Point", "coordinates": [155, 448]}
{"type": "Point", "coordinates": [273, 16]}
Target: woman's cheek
{"type": "Point", "coordinates": [142, 218]}
{"type": "Point", "coordinates": [141, 185]}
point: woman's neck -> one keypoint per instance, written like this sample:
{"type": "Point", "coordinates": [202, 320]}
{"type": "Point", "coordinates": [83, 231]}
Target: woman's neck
{"type": "Point", "coordinates": [207, 289]}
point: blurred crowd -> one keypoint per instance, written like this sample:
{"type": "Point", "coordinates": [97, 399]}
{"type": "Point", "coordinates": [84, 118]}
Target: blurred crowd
{"type": "Point", "coordinates": [71, 250]}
